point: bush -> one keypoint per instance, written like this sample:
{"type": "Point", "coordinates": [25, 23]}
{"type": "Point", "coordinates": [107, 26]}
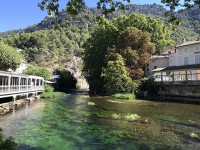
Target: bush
{"type": "Point", "coordinates": [38, 71]}
{"type": "Point", "coordinates": [7, 143]}
{"type": "Point", "coordinates": [124, 96]}
{"type": "Point", "coordinates": [48, 88]}
{"type": "Point", "coordinates": [52, 94]}
{"type": "Point", "coordinates": [146, 84]}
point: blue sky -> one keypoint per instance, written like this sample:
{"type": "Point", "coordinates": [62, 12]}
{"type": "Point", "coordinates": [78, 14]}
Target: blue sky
{"type": "Point", "coordinates": [16, 14]}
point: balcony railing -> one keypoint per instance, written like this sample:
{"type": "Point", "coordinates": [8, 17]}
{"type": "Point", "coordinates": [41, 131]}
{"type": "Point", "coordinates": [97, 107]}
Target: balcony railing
{"type": "Point", "coordinates": [19, 89]}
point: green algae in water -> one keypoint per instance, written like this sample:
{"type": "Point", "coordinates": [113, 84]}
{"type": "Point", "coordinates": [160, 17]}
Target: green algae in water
{"type": "Point", "coordinates": [71, 124]}
{"type": "Point", "coordinates": [132, 117]}
{"type": "Point", "coordinates": [116, 116]}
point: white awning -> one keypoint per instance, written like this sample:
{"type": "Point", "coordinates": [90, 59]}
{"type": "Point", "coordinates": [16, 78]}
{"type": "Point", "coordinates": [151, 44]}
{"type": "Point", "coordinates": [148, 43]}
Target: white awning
{"type": "Point", "coordinates": [157, 69]}
{"type": "Point", "coordinates": [49, 82]}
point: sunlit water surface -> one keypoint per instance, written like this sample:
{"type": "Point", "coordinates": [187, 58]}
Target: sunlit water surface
{"type": "Point", "coordinates": [69, 123]}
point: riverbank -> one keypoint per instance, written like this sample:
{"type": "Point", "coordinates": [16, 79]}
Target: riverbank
{"type": "Point", "coordinates": [12, 105]}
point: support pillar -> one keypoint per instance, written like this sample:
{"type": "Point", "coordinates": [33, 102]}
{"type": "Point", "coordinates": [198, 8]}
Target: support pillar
{"type": "Point", "coordinates": [19, 84]}
{"type": "Point", "coordinates": [14, 98]}
{"type": "Point", "coordinates": [9, 82]}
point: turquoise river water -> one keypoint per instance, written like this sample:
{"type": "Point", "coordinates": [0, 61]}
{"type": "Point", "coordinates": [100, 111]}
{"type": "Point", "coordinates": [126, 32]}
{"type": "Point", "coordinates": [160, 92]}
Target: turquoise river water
{"type": "Point", "coordinates": [80, 122]}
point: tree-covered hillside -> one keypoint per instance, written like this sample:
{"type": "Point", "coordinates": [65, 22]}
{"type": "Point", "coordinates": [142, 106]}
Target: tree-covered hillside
{"type": "Point", "coordinates": [87, 19]}
{"type": "Point", "coordinates": [50, 48]}
{"type": "Point", "coordinates": [52, 42]}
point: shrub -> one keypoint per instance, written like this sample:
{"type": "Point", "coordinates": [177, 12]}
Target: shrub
{"type": "Point", "coordinates": [51, 94]}
{"type": "Point", "coordinates": [124, 96]}
{"type": "Point", "coordinates": [38, 71]}
{"type": "Point", "coordinates": [48, 88]}
{"type": "Point", "coordinates": [146, 84]}
{"type": "Point", "coordinates": [7, 143]}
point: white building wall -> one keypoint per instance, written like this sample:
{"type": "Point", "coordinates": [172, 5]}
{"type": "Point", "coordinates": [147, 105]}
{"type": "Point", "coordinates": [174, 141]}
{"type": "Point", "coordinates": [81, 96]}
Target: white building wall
{"type": "Point", "coordinates": [173, 59]}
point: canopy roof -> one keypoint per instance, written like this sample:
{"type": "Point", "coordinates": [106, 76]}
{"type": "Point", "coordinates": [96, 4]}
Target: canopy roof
{"type": "Point", "coordinates": [184, 67]}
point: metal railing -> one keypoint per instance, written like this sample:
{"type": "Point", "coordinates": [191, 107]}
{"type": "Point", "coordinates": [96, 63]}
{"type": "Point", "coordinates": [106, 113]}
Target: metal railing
{"type": "Point", "coordinates": [177, 77]}
{"type": "Point", "coordinates": [19, 89]}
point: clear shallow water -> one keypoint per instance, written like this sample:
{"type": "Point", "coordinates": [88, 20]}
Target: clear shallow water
{"type": "Point", "coordinates": [69, 123]}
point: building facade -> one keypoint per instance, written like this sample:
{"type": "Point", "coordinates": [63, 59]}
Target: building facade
{"type": "Point", "coordinates": [156, 62]}
{"type": "Point", "coordinates": [187, 53]}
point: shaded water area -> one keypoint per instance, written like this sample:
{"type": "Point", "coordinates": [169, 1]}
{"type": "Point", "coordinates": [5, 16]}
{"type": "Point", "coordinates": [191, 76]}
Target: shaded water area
{"type": "Point", "coordinates": [69, 123]}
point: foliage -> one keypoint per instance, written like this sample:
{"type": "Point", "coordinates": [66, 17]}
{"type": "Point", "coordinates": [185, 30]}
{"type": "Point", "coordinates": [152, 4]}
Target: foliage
{"type": "Point", "coordinates": [9, 57]}
{"type": "Point", "coordinates": [51, 47]}
{"type": "Point", "coordinates": [146, 84]}
{"type": "Point", "coordinates": [51, 94]}
{"type": "Point", "coordinates": [48, 88]}
{"type": "Point", "coordinates": [136, 48]}
{"type": "Point", "coordinates": [173, 5]}
{"type": "Point", "coordinates": [116, 77]}
{"type": "Point", "coordinates": [159, 32]}
{"type": "Point", "coordinates": [7, 143]}
{"type": "Point", "coordinates": [76, 6]}
{"type": "Point", "coordinates": [182, 34]}
{"type": "Point", "coordinates": [66, 82]}
{"type": "Point", "coordinates": [124, 96]}
{"type": "Point", "coordinates": [38, 71]}
{"type": "Point", "coordinates": [111, 37]}
{"type": "Point", "coordinates": [132, 117]}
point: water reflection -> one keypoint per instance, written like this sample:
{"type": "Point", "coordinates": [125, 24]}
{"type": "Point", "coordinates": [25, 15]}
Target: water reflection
{"type": "Point", "coordinates": [70, 123]}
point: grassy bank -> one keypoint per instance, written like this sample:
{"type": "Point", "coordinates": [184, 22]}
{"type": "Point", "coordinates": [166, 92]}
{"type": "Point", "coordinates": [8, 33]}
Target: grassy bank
{"type": "Point", "coordinates": [51, 94]}
{"type": "Point", "coordinates": [124, 96]}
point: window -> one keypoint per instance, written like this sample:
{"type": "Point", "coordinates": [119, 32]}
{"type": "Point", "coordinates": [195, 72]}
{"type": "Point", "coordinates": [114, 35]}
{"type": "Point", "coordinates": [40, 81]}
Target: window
{"type": "Point", "coordinates": [196, 48]}
{"type": "Point", "coordinates": [197, 59]}
{"type": "Point", "coordinates": [155, 67]}
{"type": "Point", "coordinates": [185, 50]}
{"type": "Point", "coordinates": [186, 60]}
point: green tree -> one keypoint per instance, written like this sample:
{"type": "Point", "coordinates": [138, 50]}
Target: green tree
{"type": "Point", "coordinates": [109, 34]}
{"type": "Point", "coordinates": [136, 48]}
{"type": "Point", "coordinates": [76, 6]}
{"type": "Point", "coordinates": [9, 57]}
{"type": "Point", "coordinates": [104, 37]}
{"type": "Point", "coordinates": [175, 4]}
{"type": "Point", "coordinates": [66, 82]}
{"type": "Point", "coordinates": [160, 33]}
{"type": "Point", "coordinates": [116, 77]}
{"type": "Point", "coordinates": [38, 71]}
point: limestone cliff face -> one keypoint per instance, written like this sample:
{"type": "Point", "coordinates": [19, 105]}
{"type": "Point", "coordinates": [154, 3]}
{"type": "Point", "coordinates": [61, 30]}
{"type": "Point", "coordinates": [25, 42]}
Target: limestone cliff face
{"type": "Point", "coordinates": [74, 66]}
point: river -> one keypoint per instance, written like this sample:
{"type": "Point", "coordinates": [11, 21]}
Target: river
{"type": "Point", "coordinates": [80, 122]}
